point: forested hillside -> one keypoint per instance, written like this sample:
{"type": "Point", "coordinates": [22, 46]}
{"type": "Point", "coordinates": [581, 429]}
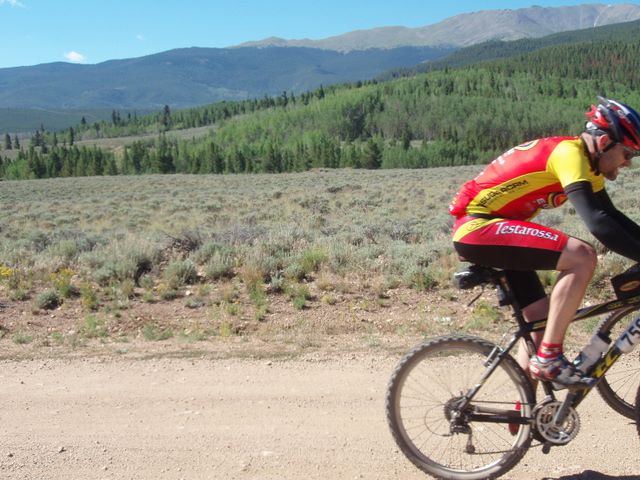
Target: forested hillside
{"type": "Point", "coordinates": [495, 49]}
{"type": "Point", "coordinates": [451, 116]}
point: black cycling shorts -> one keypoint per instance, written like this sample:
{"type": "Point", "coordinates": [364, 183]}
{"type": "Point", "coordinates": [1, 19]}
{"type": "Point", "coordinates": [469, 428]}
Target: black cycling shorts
{"type": "Point", "coordinates": [526, 286]}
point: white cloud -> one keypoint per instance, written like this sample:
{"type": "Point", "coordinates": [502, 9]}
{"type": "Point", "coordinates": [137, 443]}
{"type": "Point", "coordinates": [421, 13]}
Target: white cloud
{"type": "Point", "coordinates": [13, 3]}
{"type": "Point", "coordinates": [141, 37]}
{"type": "Point", "coordinates": [75, 57]}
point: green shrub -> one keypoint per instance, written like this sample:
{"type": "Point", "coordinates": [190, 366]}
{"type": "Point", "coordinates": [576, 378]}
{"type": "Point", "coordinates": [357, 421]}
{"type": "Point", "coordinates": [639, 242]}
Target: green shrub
{"type": "Point", "coordinates": [48, 300]}
{"type": "Point", "coordinates": [310, 260]}
{"type": "Point", "coordinates": [89, 296]}
{"type": "Point", "coordinates": [225, 329]}
{"type": "Point", "coordinates": [220, 265]}
{"type": "Point", "coordinates": [252, 277]}
{"type": "Point", "coordinates": [261, 312]}
{"type": "Point", "coordinates": [146, 281]}
{"type": "Point", "coordinates": [208, 250]}
{"type": "Point", "coordinates": [127, 259]}
{"type": "Point", "coordinates": [65, 249]}
{"type": "Point", "coordinates": [419, 278]}
{"type": "Point", "coordinates": [166, 292]}
{"type": "Point", "coordinates": [299, 295]}
{"type": "Point", "coordinates": [19, 294]}
{"type": "Point", "coordinates": [180, 272]}
{"type": "Point", "coordinates": [127, 289]}
{"type": "Point", "coordinates": [257, 294]}
{"type": "Point", "coordinates": [57, 337]}
{"type": "Point", "coordinates": [93, 327]}
{"type": "Point", "coordinates": [186, 241]}
{"type": "Point", "coordinates": [277, 284]}
{"type": "Point", "coordinates": [195, 302]}
{"type": "Point", "coordinates": [190, 336]}
{"type": "Point", "coordinates": [104, 275]}
{"type": "Point", "coordinates": [340, 256]}
{"type": "Point", "coordinates": [153, 333]}
{"type": "Point", "coordinates": [299, 302]}
{"type": "Point", "coordinates": [294, 271]}
{"type": "Point", "coordinates": [62, 282]}
{"type": "Point", "coordinates": [22, 338]}
{"type": "Point", "coordinates": [16, 280]}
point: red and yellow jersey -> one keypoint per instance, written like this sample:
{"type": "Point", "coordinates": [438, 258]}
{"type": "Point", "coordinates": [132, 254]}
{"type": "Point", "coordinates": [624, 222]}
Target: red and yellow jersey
{"type": "Point", "coordinates": [528, 177]}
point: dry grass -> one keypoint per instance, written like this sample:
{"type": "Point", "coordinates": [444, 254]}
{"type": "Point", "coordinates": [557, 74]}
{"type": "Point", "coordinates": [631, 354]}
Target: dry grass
{"type": "Point", "coordinates": [316, 253]}
{"type": "Point", "coordinates": [111, 229]}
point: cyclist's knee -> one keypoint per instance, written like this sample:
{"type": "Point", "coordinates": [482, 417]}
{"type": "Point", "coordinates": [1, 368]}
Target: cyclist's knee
{"type": "Point", "coordinates": [578, 256]}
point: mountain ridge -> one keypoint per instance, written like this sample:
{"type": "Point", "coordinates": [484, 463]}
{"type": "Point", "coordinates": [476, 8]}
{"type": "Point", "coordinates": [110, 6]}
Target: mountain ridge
{"type": "Point", "coordinates": [195, 76]}
{"type": "Point", "coordinates": [470, 28]}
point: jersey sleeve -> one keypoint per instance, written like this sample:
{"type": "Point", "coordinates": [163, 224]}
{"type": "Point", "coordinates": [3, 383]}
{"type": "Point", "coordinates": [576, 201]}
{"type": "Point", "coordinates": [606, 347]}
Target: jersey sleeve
{"type": "Point", "coordinates": [613, 229]}
{"type": "Point", "coordinates": [570, 164]}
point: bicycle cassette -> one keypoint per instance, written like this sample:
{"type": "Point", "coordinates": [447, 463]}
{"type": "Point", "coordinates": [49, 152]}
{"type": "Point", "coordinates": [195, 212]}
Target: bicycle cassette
{"type": "Point", "coordinates": [557, 434]}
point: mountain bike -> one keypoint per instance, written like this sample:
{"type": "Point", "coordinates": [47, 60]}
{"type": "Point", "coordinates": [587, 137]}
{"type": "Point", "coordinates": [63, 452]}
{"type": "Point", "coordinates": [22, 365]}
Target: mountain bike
{"type": "Point", "coordinates": [460, 407]}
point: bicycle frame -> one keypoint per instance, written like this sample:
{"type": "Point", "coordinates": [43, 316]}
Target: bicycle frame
{"type": "Point", "coordinates": [524, 331]}
{"type": "Point", "coordinates": [613, 353]}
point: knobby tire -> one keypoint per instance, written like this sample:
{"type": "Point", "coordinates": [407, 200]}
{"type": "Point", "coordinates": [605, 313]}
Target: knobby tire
{"type": "Point", "coordinates": [619, 385]}
{"type": "Point", "coordinates": [432, 377]}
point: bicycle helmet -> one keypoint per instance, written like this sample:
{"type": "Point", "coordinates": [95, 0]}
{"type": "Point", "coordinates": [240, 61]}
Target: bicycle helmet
{"type": "Point", "coordinates": [620, 121]}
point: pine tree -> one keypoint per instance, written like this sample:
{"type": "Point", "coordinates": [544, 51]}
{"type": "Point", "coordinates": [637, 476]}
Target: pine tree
{"type": "Point", "coordinates": [372, 154]}
{"type": "Point", "coordinates": [36, 140]}
{"type": "Point", "coordinates": [165, 118]}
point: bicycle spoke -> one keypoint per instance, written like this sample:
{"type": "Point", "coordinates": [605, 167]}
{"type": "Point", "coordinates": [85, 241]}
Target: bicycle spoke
{"type": "Point", "coordinates": [423, 409]}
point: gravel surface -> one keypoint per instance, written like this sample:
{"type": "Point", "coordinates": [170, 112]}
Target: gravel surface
{"type": "Point", "coordinates": [319, 416]}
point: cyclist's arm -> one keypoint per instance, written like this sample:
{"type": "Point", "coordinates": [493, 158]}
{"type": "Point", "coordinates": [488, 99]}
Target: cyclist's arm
{"type": "Point", "coordinates": [629, 225]}
{"type": "Point", "coordinates": [616, 231]}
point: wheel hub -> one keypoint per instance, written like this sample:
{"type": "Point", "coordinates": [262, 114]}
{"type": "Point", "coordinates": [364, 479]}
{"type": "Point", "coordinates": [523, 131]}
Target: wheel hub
{"type": "Point", "coordinates": [457, 421]}
{"type": "Point", "coordinates": [450, 407]}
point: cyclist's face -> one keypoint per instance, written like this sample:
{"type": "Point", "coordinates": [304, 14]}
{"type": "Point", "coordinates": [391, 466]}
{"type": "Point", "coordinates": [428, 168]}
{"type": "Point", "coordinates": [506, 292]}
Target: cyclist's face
{"type": "Point", "coordinates": [614, 159]}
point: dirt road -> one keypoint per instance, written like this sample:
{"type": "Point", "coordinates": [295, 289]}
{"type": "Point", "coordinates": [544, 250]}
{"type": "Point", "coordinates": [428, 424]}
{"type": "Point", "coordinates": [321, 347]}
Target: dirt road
{"type": "Point", "coordinates": [315, 417]}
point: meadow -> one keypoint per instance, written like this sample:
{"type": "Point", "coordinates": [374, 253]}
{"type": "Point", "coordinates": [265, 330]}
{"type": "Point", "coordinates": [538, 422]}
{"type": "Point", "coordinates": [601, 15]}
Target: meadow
{"type": "Point", "coordinates": [234, 246]}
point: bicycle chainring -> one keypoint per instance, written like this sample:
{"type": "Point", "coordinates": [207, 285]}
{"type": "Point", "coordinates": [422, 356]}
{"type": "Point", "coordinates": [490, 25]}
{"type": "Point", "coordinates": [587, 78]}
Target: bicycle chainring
{"type": "Point", "coordinates": [562, 434]}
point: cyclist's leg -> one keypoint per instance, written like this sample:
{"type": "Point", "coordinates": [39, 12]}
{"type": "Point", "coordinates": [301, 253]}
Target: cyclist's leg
{"type": "Point", "coordinates": [521, 246]}
{"type": "Point", "coordinates": [536, 311]}
{"type": "Point", "coordinates": [576, 266]}
{"type": "Point", "coordinates": [534, 302]}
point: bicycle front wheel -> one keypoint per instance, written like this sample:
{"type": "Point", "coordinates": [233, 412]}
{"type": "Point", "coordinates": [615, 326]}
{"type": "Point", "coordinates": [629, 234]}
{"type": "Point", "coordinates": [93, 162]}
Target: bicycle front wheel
{"type": "Point", "coordinates": [433, 427]}
{"type": "Point", "coordinates": [619, 385]}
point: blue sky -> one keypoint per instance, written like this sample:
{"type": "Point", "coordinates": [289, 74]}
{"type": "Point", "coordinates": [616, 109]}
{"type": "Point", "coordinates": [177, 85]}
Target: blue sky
{"type": "Point", "coordinates": [93, 31]}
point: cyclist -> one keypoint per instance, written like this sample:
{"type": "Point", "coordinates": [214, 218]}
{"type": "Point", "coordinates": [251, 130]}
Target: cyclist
{"type": "Point", "coordinates": [493, 227]}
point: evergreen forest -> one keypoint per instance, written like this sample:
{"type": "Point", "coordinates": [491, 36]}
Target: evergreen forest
{"type": "Point", "coordinates": [450, 115]}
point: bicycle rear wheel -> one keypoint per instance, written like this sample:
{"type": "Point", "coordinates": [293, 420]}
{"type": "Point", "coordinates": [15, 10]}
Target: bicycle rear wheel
{"type": "Point", "coordinates": [423, 403]}
{"type": "Point", "coordinates": [619, 385]}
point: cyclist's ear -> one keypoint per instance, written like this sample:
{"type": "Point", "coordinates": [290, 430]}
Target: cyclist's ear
{"type": "Point", "coordinates": [603, 141]}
